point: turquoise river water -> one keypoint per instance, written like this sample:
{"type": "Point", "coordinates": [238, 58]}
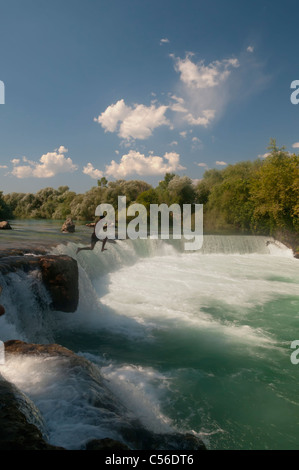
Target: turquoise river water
{"type": "Point", "coordinates": [191, 341]}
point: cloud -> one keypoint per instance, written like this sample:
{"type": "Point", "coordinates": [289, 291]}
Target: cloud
{"type": "Point", "coordinates": [164, 41]}
{"type": "Point", "coordinates": [137, 163]}
{"type": "Point", "coordinates": [204, 120]}
{"type": "Point", "coordinates": [92, 172]}
{"type": "Point", "coordinates": [62, 149]}
{"type": "Point", "coordinates": [204, 165]}
{"type": "Point", "coordinates": [178, 105]}
{"type": "Point", "coordinates": [265, 155]}
{"type": "Point", "coordinates": [295, 145]}
{"type": "Point", "coordinates": [49, 165]}
{"type": "Point", "coordinates": [136, 122]}
{"type": "Point", "coordinates": [220, 163]}
{"type": "Point", "coordinates": [203, 90]}
{"type": "Point", "coordinates": [199, 98]}
{"type": "Point", "coordinates": [201, 75]}
{"type": "Point", "coordinates": [3, 166]}
{"type": "Point", "coordinates": [174, 142]}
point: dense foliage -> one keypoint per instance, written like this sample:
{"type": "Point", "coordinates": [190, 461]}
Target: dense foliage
{"type": "Point", "coordinates": [259, 196]}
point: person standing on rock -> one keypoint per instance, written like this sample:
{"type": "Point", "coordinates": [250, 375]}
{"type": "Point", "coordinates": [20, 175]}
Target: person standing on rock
{"type": "Point", "coordinates": [94, 239]}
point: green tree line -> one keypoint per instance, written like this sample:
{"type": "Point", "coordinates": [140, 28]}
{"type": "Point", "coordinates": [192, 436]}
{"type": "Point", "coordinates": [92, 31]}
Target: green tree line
{"type": "Point", "coordinates": [260, 196]}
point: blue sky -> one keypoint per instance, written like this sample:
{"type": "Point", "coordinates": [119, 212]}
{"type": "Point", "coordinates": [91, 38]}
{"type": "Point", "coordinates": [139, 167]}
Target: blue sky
{"type": "Point", "coordinates": [134, 88]}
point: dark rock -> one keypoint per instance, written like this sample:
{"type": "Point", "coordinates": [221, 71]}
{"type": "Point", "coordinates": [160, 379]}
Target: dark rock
{"type": "Point", "coordinates": [289, 239]}
{"type": "Point", "coordinates": [2, 310]}
{"type": "Point", "coordinates": [106, 444]}
{"type": "Point", "coordinates": [132, 433]}
{"type": "Point", "coordinates": [143, 439]}
{"type": "Point", "coordinates": [68, 226]}
{"type": "Point", "coordinates": [59, 274]}
{"type": "Point", "coordinates": [5, 225]}
{"type": "Point", "coordinates": [61, 278]}
{"type": "Point", "coordinates": [16, 432]}
{"type": "Point", "coordinates": [20, 347]}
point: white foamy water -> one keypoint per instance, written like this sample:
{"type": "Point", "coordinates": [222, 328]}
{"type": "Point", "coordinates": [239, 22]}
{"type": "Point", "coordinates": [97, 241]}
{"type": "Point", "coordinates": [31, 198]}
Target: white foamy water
{"type": "Point", "coordinates": [195, 342]}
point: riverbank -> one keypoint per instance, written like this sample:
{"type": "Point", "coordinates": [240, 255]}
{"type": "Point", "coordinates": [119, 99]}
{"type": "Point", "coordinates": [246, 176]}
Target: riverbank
{"type": "Point", "coordinates": [289, 239]}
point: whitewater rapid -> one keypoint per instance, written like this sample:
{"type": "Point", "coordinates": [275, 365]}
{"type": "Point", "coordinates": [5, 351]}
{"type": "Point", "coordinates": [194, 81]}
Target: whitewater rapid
{"type": "Point", "coordinates": [195, 341]}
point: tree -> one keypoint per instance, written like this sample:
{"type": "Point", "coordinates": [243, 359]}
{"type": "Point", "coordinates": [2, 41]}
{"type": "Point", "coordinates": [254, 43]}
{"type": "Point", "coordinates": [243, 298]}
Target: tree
{"type": "Point", "coordinates": [275, 193]}
{"type": "Point", "coordinates": [102, 183]}
{"type": "Point", "coordinates": [5, 210]}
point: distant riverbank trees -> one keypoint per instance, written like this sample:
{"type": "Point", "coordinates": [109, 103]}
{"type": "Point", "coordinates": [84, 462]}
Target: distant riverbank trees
{"type": "Point", "coordinates": [260, 196]}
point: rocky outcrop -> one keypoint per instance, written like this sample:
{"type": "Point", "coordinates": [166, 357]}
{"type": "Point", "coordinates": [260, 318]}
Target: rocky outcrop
{"type": "Point", "coordinates": [108, 445]}
{"type": "Point", "coordinates": [16, 432]}
{"type": "Point", "coordinates": [18, 347]}
{"type": "Point", "coordinates": [5, 225]}
{"type": "Point", "coordinates": [290, 239]}
{"type": "Point", "coordinates": [59, 274]}
{"type": "Point", "coordinates": [143, 439]}
{"type": "Point", "coordinates": [132, 434]}
{"type": "Point", "coordinates": [68, 226]}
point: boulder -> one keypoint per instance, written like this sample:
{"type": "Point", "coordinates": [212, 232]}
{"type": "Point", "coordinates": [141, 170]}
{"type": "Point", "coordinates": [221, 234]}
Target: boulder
{"type": "Point", "coordinates": [16, 432]}
{"type": "Point", "coordinates": [5, 225]}
{"type": "Point", "coordinates": [109, 445]}
{"type": "Point", "coordinates": [132, 434]}
{"type": "Point", "coordinates": [61, 278]}
{"type": "Point", "coordinates": [68, 226]}
{"type": "Point", "coordinates": [59, 274]}
{"type": "Point", "coordinates": [140, 438]}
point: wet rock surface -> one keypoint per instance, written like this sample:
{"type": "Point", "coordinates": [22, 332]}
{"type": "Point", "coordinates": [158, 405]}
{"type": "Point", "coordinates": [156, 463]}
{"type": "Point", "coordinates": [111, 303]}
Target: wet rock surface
{"type": "Point", "coordinates": [4, 225]}
{"type": "Point", "coordinates": [132, 435]}
{"type": "Point", "coordinates": [59, 274]}
{"type": "Point", "coordinates": [61, 278]}
{"type": "Point", "coordinates": [16, 432]}
{"type": "Point", "coordinates": [108, 445]}
{"type": "Point", "coordinates": [68, 226]}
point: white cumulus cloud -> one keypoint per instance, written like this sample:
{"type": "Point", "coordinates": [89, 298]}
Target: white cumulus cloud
{"type": "Point", "coordinates": [136, 122]}
{"type": "Point", "coordinates": [220, 163]}
{"type": "Point", "coordinates": [49, 165]}
{"type": "Point", "coordinates": [137, 163]}
{"type": "Point", "coordinates": [204, 165]}
{"type": "Point", "coordinates": [92, 172]}
{"type": "Point", "coordinates": [203, 90]}
{"type": "Point", "coordinates": [203, 120]}
{"type": "Point", "coordinates": [295, 145]}
{"type": "Point", "coordinates": [204, 76]}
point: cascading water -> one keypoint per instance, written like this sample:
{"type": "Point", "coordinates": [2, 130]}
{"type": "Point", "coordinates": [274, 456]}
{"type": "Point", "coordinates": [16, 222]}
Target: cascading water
{"type": "Point", "coordinates": [188, 341]}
